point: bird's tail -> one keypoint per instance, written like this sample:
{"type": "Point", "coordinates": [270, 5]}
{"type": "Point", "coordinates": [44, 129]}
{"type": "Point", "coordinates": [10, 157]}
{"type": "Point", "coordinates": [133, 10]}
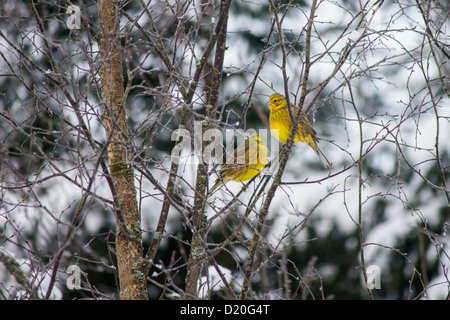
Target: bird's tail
{"type": "Point", "coordinates": [219, 183]}
{"type": "Point", "coordinates": [322, 157]}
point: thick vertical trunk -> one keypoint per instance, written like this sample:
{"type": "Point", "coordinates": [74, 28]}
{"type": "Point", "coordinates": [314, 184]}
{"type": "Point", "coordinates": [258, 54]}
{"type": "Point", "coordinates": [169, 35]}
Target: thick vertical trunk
{"type": "Point", "coordinates": [128, 227]}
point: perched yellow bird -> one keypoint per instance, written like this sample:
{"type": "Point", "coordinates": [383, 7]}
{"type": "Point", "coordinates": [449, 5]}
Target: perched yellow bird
{"type": "Point", "coordinates": [247, 161]}
{"type": "Point", "coordinates": [280, 125]}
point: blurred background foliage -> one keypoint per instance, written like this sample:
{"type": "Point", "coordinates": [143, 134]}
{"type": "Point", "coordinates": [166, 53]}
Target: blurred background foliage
{"type": "Point", "coordinates": [324, 264]}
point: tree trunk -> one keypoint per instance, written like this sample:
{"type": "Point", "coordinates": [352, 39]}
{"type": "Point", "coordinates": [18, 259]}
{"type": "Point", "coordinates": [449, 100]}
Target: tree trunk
{"type": "Point", "coordinates": [128, 223]}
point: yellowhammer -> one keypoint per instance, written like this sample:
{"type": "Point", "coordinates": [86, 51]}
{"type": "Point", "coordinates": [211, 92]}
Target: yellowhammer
{"type": "Point", "coordinates": [247, 161]}
{"type": "Point", "coordinates": [280, 125]}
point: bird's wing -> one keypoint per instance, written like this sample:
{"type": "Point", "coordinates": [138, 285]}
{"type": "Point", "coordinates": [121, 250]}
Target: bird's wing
{"type": "Point", "coordinates": [304, 122]}
{"type": "Point", "coordinates": [232, 160]}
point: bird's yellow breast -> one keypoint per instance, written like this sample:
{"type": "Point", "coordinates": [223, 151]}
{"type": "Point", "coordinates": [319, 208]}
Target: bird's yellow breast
{"type": "Point", "coordinates": [280, 128]}
{"type": "Point", "coordinates": [250, 170]}
{"type": "Point", "coordinates": [280, 124]}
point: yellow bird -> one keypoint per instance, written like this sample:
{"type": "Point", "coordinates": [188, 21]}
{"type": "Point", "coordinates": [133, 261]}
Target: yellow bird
{"type": "Point", "coordinates": [247, 161]}
{"type": "Point", "coordinates": [280, 126]}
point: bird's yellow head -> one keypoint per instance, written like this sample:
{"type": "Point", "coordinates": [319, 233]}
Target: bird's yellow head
{"type": "Point", "coordinates": [277, 101]}
{"type": "Point", "coordinates": [256, 137]}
